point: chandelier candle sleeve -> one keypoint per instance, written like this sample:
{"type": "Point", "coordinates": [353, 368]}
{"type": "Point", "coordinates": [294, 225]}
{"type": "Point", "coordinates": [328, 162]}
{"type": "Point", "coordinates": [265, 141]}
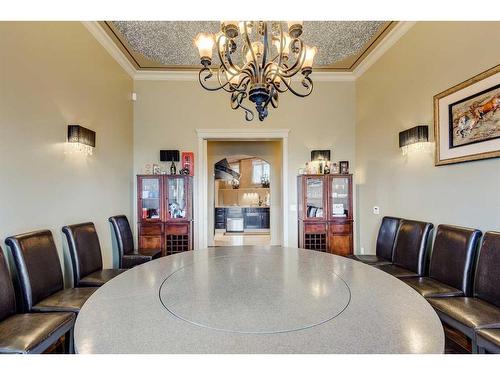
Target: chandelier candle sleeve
{"type": "Point", "coordinates": [205, 43]}
{"type": "Point", "coordinates": [250, 69]}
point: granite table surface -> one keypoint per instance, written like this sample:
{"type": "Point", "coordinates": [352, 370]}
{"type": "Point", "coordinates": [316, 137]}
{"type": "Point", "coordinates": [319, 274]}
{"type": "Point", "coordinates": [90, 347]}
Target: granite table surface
{"type": "Point", "coordinates": [245, 299]}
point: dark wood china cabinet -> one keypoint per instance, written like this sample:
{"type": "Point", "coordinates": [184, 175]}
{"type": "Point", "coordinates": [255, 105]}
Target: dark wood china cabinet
{"type": "Point", "coordinates": [325, 213]}
{"type": "Point", "coordinates": [165, 212]}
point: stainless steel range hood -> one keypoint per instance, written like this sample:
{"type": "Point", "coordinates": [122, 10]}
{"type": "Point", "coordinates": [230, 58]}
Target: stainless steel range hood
{"type": "Point", "coordinates": [223, 171]}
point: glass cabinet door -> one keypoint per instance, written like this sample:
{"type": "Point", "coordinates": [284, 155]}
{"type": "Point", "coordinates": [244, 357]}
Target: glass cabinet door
{"type": "Point", "coordinates": [314, 198]}
{"type": "Point", "coordinates": [177, 198]}
{"type": "Point", "coordinates": [150, 198]}
{"type": "Point", "coordinates": [339, 197]}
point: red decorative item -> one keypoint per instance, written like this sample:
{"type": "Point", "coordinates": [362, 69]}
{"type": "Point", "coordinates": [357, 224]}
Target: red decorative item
{"type": "Point", "coordinates": [188, 162]}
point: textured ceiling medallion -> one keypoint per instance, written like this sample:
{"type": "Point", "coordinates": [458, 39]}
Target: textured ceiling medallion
{"type": "Point", "coordinates": [257, 60]}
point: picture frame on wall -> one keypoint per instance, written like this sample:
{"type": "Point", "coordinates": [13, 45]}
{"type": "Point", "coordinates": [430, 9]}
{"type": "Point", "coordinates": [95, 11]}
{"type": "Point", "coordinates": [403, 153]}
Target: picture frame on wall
{"type": "Point", "coordinates": [467, 120]}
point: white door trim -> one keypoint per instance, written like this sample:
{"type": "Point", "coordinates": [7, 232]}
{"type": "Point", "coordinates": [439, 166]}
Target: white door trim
{"type": "Point", "coordinates": [201, 187]}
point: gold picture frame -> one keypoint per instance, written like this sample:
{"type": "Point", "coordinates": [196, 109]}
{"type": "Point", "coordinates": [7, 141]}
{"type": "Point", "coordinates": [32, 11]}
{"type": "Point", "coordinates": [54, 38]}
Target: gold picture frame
{"type": "Point", "coordinates": [450, 126]}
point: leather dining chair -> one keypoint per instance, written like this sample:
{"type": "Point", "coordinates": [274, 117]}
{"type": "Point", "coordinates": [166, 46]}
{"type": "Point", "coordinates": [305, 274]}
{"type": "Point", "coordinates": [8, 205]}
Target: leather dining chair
{"type": "Point", "coordinates": [86, 256]}
{"type": "Point", "coordinates": [40, 275]}
{"type": "Point", "coordinates": [482, 310]}
{"type": "Point", "coordinates": [29, 333]}
{"type": "Point", "coordinates": [385, 243]}
{"type": "Point", "coordinates": [451, 263]}
{"type": "Point", "coordinates": [410, 249]}
{"type": "Point", "coordinates": [128, 255]}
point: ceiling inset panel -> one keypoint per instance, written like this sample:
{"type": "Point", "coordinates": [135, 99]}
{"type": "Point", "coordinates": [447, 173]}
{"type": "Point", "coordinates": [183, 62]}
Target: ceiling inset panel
{"type": "Point", "coordinates": [168, 45]}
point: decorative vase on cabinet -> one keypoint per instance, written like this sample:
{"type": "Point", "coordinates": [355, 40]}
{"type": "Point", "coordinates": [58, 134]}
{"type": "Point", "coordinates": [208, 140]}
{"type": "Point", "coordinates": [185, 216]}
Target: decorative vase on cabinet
{"type": "Point", "coordinates": [325, 216]}
{"type": "Point", "coordinates": [165, 219]}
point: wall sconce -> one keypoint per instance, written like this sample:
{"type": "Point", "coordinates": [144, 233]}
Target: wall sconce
{"type": "Point", "coordinates": [413, 138]}
{"type": "Point", "coordinates": [82, 139]}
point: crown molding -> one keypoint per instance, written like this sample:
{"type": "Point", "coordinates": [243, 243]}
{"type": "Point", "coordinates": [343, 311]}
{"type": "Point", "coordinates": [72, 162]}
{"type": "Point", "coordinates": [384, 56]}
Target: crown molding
{"type": "Point", "coordinates": [103, 38]}
{"type": "Point", "coordinates": [392, 37]}
{"type": "Point", "coordinates": [319, 76]}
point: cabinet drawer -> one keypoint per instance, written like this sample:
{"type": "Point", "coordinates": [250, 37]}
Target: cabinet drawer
{"type": "Point", "coordinates": [314, 228]}
{"type": "Point", "coordinates": [150, 242]}
{"type": "Point", "coordinates": [150, 230]}
{"type": "Point", "coordinates": [179, 229]}
{"type": "Point", "coordinates": [340, 228]}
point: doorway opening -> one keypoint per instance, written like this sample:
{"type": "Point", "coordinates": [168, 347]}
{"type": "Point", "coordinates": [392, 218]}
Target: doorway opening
{"type": "Point", "coordinates": [244, 192]}
{"type": "Point", "coordinates": [242, 201]}
{"type": "Point", "coordinates": [203, 190]}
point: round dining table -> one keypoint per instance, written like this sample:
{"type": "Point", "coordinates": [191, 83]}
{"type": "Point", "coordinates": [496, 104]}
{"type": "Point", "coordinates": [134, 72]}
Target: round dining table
{"type": "Point", "coordinates": [250, 299]}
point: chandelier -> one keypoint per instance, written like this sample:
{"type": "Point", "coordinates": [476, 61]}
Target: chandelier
{"type": "Point", "coordinates": [257, 62]}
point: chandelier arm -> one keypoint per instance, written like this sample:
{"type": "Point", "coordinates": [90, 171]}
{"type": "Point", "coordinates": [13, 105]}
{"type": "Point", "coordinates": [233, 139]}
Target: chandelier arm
{"type": "Point", "coordinates": [236, 100]}
{"type": "Point", "coordinates": [282, 42]}
{"type": "Point", "coordinates": [209, 75]}
{"type": "Point", "coordinates": [249, 45]}
{"type": "Point", "coordinates": [223, 61]}
{"type": "Point", "coordinates": [306, 82]}
{"type": "Point", "coordinates": [264, 53]}
{"type": "Point", "coordinates": [297, 65]}
{"type": "Point", "coordinates": [232, 65]}
{"type": "Point", "coordinates": [223, 85]}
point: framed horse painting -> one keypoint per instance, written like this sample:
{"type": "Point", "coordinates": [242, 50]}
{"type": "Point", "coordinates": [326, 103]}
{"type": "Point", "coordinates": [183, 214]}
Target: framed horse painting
{"type": "Point", "coordinates": [467, 119]}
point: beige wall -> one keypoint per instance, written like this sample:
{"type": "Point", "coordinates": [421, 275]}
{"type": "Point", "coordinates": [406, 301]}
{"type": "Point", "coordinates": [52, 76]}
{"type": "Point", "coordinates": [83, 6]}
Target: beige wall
{"type": "Point", "coordinates": [167, 114]}
{"type": "Point", "coordinates": [395, 94]}
{"type": "Point", "coordinates": [53, 74]}
{"type": "Point", "coordinates": [270, 151]}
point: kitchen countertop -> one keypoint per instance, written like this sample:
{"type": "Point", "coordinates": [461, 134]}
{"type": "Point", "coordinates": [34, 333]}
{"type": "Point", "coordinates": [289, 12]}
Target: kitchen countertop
{"type": "Point", "coordinates": [257, 300]}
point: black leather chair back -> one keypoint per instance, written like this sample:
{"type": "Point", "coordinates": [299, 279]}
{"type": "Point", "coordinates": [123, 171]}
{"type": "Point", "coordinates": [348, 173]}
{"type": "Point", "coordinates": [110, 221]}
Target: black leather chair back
{"type": "Point", "coordinates": [123, 234]}
{"type": "Point", "coordinates": [410, 250]}
{"type": "Point", "coordinates": [38, 266]}
{"type": "Point", "coordinates": [386, 237]}
{"type": "Point", "coordinates": [84, 249]}
{"type": "Point", "coordinates": [7, 295]}
{"type": "Point", "coordinates": [487, 276]}
{"type": "Point", "coordinates": [453, 256]}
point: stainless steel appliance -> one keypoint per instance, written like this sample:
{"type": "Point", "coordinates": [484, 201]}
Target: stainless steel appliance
{"type": "Point", "coordinates": [234, 219]}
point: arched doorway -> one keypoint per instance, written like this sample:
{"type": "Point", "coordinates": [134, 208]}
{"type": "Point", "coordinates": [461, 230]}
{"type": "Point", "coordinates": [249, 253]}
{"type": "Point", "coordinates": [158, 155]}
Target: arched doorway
{"type": "Point", "coordinates": [242, 201]}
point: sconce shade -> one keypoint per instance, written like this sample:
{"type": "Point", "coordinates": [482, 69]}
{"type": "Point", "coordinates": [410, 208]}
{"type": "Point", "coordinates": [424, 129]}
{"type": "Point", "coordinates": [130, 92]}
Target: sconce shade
{"type": "Point", "coordinates": [79, 134]}
{"type": "Point", "coordinates": [169, 155]}
{"type": "Point", "coordinates": [323, 155]}
{"type": "Point", "coordinates": [414, 135]}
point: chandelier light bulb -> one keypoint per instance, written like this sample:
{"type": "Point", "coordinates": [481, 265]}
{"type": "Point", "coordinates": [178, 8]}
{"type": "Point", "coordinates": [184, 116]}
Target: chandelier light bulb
{"type": "Point", "coordinates": [309, 58]}
{"type": "Point", "coordinates": [205, 44]}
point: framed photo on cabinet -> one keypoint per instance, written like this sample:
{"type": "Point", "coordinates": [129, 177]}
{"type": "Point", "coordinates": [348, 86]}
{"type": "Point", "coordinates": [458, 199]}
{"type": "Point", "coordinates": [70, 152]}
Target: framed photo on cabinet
{"type": "Point", "coordinates": [467, 119]}
{"type": "Point", "coordinates": [187, 159]}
